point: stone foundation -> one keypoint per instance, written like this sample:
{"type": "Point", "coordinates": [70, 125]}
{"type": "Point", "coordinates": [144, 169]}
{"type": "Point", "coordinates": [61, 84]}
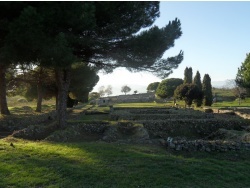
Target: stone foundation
{"type": "Point", "coordinates": [205, 145]}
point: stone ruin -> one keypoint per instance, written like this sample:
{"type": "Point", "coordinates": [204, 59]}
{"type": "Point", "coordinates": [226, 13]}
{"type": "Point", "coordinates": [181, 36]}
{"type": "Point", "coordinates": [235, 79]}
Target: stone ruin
{"type": "Point", "coordinates": [174, 128]}
{"type": "Point", "coordinates": [142, 97]}
{"type": "Point", "coordinates": [188, 129]}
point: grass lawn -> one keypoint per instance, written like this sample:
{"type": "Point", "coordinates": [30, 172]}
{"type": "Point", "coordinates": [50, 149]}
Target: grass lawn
{"type": "Point", "coordinates": [101, 164]}
{"type": "Point", "coordinates": [149, 104]}
{"type": "Point", "coordinates": [144, 105]}
{"type": "Point", "coordinates": [91, 164]}
{"type": "Point", "coordinates": [235, 103]}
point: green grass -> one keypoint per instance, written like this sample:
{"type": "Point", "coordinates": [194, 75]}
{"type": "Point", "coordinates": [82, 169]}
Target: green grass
{"type": "Point", "coordinates": [89, 164]}
{"type": "Point", "coordinates": [223, 92]}
{"type": "Point", "coordinates": [235, 103]}
{"type": "Point", "coordinates": [13, 102]}
{"type": "Point", "coordinates": [142, 105]}
{"type": "Point", "coordinates": [99, 164]}
{"type": "Point", "coordinates": [91, 118]}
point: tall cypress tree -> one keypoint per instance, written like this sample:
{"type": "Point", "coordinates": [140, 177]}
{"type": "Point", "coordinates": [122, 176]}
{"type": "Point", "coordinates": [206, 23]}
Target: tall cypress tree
{"type": "Point", "coordinates": [197, 81]}
{"type": "Point", "coordinates": [207, 90]}
{"type": "Point", "coordinates": [188, 75]}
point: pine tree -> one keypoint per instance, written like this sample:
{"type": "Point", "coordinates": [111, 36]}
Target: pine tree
{"type": "Point", "coordinates": [207, 90]}
{"type": "Point", "coordinates": [167, 87]}
{"type": "Point", "coordinates": [100, 33]}
{"type": "Point", "coordinates": [197, 81]}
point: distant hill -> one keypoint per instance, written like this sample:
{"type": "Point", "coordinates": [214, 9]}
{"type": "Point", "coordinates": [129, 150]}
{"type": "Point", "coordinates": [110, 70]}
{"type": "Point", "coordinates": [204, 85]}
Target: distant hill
{"type": "Point", "coordinates": [219, 84]}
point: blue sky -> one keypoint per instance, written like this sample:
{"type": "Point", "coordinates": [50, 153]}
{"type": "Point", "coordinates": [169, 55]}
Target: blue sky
{"type": "Point", "coordinates": [215, 40]}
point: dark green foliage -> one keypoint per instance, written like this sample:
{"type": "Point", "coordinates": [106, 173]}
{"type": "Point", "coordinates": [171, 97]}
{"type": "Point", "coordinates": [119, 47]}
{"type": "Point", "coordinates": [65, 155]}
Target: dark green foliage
{"type": "Point", "coordinates": [207, 91]}
{"type": "Point", "coordinates": [188, 93]}
{"type": "Point", "coordinates": [83, 80]}
{"type": "Point", "coordinates": [103, 34]}
{"type": "Point", "coordinates": [48, 91]}
{"type": "Point", "coordinates": [167, 87]}
{"type": "Point", "coordinates": [71, 102]}
{"type": "Point", "coordinates": [56, 34]}
{"type": "Point", "coordinates": [188, 75]}
{"type": "Point", "coordinates": [39, 77]}
{"type": "Point", "coordinates": [152, 86]}
{"type": "Point", "coordinates": [9, 12]}
{"type": "Point", "coordinates": [243, 74]}
{"type": "Point", "coordinates": [197, 81]}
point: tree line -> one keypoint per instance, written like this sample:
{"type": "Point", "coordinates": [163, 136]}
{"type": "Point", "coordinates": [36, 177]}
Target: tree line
{"type": "Point", "coordinates": [190, 89]}
{"type": "Point", "coordinates": [102, 91]}
{"type": "Point", "coordinates": [242, 79]}
{"type": "Point", "coordinates": [100, 35]}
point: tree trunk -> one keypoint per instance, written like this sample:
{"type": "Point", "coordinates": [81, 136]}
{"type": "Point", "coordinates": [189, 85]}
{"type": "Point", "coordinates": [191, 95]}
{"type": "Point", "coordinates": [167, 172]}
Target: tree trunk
{"type": "Point", "coordinates": [56, 100]}
{"type": "Point", "coordinates": [3, 100]}
{"type": "Point", "coordinates": [63, 81]}
{"type": "Point", "coordinates": [39, 91]}
{"type": "Point", "coordinates": [39, 97]}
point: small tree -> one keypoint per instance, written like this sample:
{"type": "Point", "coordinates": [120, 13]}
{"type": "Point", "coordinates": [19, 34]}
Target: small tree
{"type": "Point", "coordinates": [135, 92]}
{"type": "Point", "coordinates": [188, 93]}
{"type": "Point", "coordinates": [93, 96]}
{"type": "Point", "coordinates": [108, 90]}
{"type": "Point", "coordinates": [101, 91]}
{"type": "Point", "coordinates": [242, 78]}
{"type": "Point", "coordinates": [197, 81]}
{"type": "Point", "coordinates": [152, 86]}
{"type": "Point", "coordinates": [207, 90]}
{"type": "Point", "coordinates": [125, 89]}
{"type": "Point", "coordinates": [167, 87]}
{"type": "Point", "coordinates": [238, 91]}
{"type": "Point", "coordinates": [188, 75]}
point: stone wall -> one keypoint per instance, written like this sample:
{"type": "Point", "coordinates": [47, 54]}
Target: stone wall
{"type": "Point", "coordinates": [198, 128]}
{"type": "Point", "coordinates": [206, 145]}
{"type": "Point", "coordinates": [17, 123]}
{"type": "Point", "coordinates": [142, 97]}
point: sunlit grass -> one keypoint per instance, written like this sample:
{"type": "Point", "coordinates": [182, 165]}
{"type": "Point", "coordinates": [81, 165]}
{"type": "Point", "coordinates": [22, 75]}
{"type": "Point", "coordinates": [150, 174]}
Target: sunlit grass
{"type": "Point", "coordinates": [90, 164]}
{"type": "Point", "coordinates": [99, 164]}
{"type": "Point", "coordinates": [235, 103]}
{"type": "Point", "coordinates": [142, 105]}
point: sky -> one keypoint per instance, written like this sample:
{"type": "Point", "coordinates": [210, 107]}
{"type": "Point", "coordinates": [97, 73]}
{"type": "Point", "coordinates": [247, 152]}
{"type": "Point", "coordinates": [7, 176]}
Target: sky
{"type": "Point", "coordinates": [215, 41]}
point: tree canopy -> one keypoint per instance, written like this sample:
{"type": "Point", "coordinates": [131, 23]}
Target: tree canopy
{"type": "Point", "coordinates": [125, 89]}
{"type": "Point", "coordinates": [101, 34]}
{"type": "Point", "coordinates": [152, 86]}
{"type": "Point", "coordinates": [207, 90]}
{"type": "Point", "coordinates": [188, 92]}
{"type": "Point", "coordinates": [167, 87]}
{"type": "Point", "coordinates": [83, 80]}
{"type": "Point", "coordinates": [9, 12]}
{"type": "Point", "coordinates": [108, 90]}
{"type": "Point", "coordinates": [197, 81]}
{"type": "Point", "coordinates": [243, 74]}
{"type": "Point", "coordinates": [188, 75]}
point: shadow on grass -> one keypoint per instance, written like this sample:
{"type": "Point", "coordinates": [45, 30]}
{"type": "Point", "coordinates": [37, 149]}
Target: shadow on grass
{"type": "Point", "coordinates": [112, 165]}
